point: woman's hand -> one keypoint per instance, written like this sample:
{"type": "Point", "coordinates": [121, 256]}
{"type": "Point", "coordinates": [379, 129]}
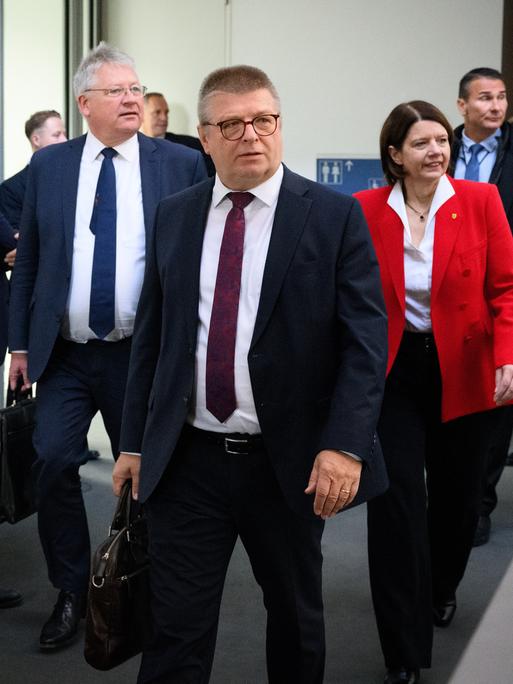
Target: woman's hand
{"type": "Point", "coordinates": [503, 384]}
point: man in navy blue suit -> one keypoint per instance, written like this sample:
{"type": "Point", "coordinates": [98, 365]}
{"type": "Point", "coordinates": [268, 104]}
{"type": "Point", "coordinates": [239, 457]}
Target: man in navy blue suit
{"type": "Point", "coordinates": [254, 388]}
{"type": "Point", "coordinates": [42, 128]}
{"type": "Point", "coordinates": [89, 210]}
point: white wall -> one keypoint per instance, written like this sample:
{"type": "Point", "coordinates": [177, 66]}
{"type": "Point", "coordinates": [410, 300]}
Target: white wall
{"type": "Point", "coordinates": [340, 65]}
{"type": "Point", "coordinates": [33, 45]}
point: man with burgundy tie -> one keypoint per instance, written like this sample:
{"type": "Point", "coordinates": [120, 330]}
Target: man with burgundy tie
{"type": "Point", "coordinates": [90, 206]}
{"type": "Point", "coordinates": [483, 151]}
{"type": "Point", "coordinates": [254, 388]}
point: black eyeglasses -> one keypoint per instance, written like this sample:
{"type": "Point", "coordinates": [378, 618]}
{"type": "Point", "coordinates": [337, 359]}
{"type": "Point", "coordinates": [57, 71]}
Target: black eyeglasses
{"type": "Point", "coordinates": [135, 90]}
{"type": "Point", "coordinates": [234, 129]}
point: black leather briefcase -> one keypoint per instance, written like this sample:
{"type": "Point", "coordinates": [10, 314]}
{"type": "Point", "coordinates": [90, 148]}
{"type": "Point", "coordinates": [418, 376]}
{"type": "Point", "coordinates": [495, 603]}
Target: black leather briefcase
{"type": "Point", "coordinates": [117, 620]}
{"type": "Point", "coordinates": [17, 456]}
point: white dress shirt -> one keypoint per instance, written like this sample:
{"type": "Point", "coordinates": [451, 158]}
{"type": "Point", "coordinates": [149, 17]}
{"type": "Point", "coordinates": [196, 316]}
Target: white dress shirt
{"type": "Point", "coordinates": [130, 241]}
{"type": "Point", "coordinates": [418, 261]}
{"type": "Point", "coordinates": [259, 217]}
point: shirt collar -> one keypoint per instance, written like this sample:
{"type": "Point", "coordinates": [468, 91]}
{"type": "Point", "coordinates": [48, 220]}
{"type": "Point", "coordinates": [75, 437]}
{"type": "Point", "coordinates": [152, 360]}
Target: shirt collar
{"type": "Point", "coordinates": [93, 147]}
{"type": "Point", "coordinates": [490, 143]}
{"type": "Point", "coordinates": [267, 191]}
{"type": "Point", "coordinates": [443, 192]}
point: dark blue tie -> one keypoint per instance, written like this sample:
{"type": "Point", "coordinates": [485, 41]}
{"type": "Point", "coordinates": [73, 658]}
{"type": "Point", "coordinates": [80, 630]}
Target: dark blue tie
{"type": "Point", "coordinates": [103, 227]}
{"type": "Point", "coordinates": [472, 170]}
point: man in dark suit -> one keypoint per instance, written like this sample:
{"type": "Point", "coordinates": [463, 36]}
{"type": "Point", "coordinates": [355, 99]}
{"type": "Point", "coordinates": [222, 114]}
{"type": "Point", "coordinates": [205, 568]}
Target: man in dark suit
{"type": "Point", "coordinates": [42, 128]}
{"type": "Point", "coordinates": [254, 387]}
{"type": "Point", "coordinates": [90, 206]}
{"type": "Point", "coordinates": [155, 122]}
{"type": "Point", "coordinates": [483, 151]}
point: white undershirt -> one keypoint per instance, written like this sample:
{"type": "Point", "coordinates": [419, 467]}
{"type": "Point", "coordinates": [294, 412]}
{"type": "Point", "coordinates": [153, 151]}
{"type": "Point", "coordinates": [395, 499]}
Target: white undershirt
{"type": "Point", "coordinates": [418, 261]}
{"type": "Point", "coordinates": [130, 241]}
{"type": "Point", "coordinates": [259, 217]}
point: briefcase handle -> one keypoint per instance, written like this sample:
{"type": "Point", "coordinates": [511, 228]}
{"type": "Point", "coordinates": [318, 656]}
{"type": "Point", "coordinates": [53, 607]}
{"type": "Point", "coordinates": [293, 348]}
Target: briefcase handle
{"type": "Point", "coordinates": [16, 395]}
{"type": "Point", "coordinates": [127, 509]}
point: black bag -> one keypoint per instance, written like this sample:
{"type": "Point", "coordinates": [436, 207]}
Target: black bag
{"type": "Point", "coordinates": [17, 455]}
{"type": "Point", "coordinates": [118, 620]}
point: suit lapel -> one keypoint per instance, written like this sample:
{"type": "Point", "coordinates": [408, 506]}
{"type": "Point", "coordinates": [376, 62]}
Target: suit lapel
{"type": "Point", "coordinates": [447, 227]}
{"type": "Point", "coordinates": [69, 183]}
{"type": "Point", "coordinates": [149, 162]}
{"type": "Point", "coordinates": [289, 222]}
{"type": "Point", "coordinates": [391, 236]}
{"type": "Point", "coordinates": [194, 221]}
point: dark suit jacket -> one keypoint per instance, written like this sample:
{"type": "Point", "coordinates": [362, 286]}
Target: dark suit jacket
{"type": "Point", "coordinates": [195, 144]}
{"type": "Point", "coordinates": [502, 172]}
{"type": "Point", "coordinates": [7, 243]}
{"type": "Point", "coordinates": [45, 248]}
{"type": "Point", "coordinates": [318, 354]}
{"type": "Point", "coordinates": [12, 192]}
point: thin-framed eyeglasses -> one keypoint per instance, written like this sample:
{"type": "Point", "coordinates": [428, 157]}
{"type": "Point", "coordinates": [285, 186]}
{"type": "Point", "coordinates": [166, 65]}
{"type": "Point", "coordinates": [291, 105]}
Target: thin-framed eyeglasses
{"type": "Point", "coordinates": [234, 129]}
{"type": "Point", "coordinates": [135, 90]}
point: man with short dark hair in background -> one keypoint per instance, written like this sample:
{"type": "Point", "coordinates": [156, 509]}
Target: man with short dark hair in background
{"type": "Point", "coordinates": [155, 122]}
{"type": "Point", "coordinates": [483, 151]}
{"type": "Point", "coordinates": [90, 208]}
{"type": "Point", "coordinates": [255, 384]}
{"type": "Point", "coordinates": [42, 128]}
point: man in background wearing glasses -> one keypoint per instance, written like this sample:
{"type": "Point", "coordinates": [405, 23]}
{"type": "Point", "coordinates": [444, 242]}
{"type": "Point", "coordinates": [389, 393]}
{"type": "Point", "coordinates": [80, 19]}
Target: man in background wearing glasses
{"type": "Point", "coordinates": [254, 388]}
{"type": "Point", "coordinates": [90, 207]}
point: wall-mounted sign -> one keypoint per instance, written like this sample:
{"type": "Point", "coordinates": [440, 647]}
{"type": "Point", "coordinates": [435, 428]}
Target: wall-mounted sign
{"type": "Point", "coordinates": [349, 175]}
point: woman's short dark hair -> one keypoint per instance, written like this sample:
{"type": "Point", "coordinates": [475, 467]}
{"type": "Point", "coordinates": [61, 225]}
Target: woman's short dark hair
{"type": "Point", "coordinates": [396, 127]}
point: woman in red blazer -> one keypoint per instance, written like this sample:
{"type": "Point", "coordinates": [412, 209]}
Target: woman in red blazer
{"type": "Point", "coordinates": [446, 258]}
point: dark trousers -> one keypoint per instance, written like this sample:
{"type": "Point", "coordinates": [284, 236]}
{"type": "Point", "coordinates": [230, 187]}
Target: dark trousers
{"type": "Point", "coordinates": [79, 380]}
{"type": "Point", "coordinates": [206, 499]}
{"type": "Point", "coordinates": [496, 459]}
{"type": "Point", "coordinates": [421, 530]}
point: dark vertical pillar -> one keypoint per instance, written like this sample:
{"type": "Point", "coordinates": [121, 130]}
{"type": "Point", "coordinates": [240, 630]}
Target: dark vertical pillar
{"type": "Point", "coordinates": [507, 49]}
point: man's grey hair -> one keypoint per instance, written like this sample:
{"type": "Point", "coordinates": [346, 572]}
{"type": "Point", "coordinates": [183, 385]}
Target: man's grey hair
{"type": "Point", "coordinates": [96, 58]}
{"type": "Point", "coordinates": [238, 80]}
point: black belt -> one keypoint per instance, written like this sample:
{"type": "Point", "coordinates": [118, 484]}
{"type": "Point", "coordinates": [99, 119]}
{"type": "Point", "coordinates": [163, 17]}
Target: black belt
{"type": "Point", "coordinates": [232, 443]}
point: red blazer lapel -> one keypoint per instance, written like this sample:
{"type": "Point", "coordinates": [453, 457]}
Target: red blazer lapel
{"type": "Point", "coordinates": [447, 226]}
{"type": "Point", "coordinates": [391, 236]}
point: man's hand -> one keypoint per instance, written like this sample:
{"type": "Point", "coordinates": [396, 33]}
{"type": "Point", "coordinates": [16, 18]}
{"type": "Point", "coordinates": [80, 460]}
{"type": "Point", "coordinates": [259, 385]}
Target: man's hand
{"type": "Point", "coordinates": [127, 468]}
{"type": "Point", "coordinates": [503, 385]}
{"type": "Point", "coordinates": [18, 368]}
{"type": "Point", "coordinates": [335, 479]}
{"type": "Point", "coordinates": [10, 257]}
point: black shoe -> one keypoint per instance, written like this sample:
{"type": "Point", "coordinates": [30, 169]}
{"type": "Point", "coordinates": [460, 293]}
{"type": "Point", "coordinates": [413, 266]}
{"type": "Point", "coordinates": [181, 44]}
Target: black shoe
{"type": "Point", "coordinates": [509, 459]}
{"type": "Point", "coordinates": [61, 629]}
{"type": "Point", "coordinates": [10, 598]}
{"type": "Point", "coordinates": [93, 455]}
{"type": "Point", "coordinates": [443, 613]}
{"type": "Point", "coordinates": [402, 675]}
{"type": "Point", "coordinates": [482, 533]}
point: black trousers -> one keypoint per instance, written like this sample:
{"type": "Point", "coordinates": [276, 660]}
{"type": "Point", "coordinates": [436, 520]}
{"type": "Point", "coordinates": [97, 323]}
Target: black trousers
{"type": "Point", "coordinates": [496, 459]}
{"type": "Point", "coordinates": [206, 499]}
{"type": "Point", "coordinates": [79, 380]}
{"type": "Point", "coordinates": [421, 530]}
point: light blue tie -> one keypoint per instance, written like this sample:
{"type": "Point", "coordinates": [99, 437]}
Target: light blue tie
{"type": "Point", "coordinates": [103, 226]}
{"type": "Point", "coordinates": [472, 170]}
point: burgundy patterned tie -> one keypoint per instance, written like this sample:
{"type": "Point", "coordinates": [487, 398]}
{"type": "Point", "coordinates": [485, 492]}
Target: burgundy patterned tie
{"type": "Point", "coordinates": [220, 381]}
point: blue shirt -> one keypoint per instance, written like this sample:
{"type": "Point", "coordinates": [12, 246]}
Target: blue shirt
{"type": "Point", "coordinates": [486, 157]}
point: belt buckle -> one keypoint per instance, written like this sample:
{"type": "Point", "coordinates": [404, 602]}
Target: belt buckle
{"type": "Point", "coordinates": [229, 440]}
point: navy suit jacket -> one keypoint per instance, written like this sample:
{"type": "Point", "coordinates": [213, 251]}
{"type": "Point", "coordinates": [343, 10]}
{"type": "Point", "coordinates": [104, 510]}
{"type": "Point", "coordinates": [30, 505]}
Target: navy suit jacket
{"type": "Point", "coordinates": [42, 271]}
{"type": "Point", "coordinates": [12, 193]}
{"type": "Point", "coordinates": [318, 353]}
{"type": "Point", "coordinates": [7, 243]}
{"type": "Point", "coordinates": [502, 172]}
{"type": "Point", "coordinates": [195, 143]}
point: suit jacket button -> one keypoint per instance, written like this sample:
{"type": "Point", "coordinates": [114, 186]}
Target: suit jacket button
{"type": "Point", "coordinates": [462, 307]}
{"type": "Point", "coordinates": [185, 400]}
{"type": "Point", "coordinates": [466, 273]}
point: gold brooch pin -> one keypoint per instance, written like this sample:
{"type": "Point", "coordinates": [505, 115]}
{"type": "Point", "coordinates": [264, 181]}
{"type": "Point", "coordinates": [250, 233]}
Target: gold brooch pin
{"type": "Point", "coordinates": [454, 216]}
